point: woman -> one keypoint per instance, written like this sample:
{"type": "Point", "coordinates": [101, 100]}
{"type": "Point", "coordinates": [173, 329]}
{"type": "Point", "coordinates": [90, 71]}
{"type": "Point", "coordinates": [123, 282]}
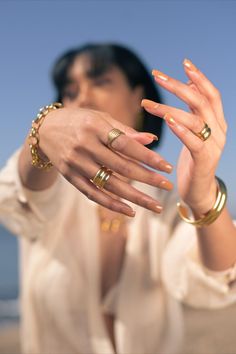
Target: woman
{"type": "Point", "coordinates": [93, 279]}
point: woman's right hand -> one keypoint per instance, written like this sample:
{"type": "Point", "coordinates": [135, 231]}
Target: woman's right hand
{"type": "Point", "coordinates": [75, 140]}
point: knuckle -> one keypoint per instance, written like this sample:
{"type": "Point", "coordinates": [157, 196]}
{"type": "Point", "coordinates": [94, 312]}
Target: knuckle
{"type": "Point", "coordinates": [216, 94]}
{"type": "Point", "coordinates": [69, 157]}
{"type": "Point", "coordinates": [89, 122]}
{"type": "Point", "coordinates": [124, 169]}
{"type": "Point", "coordinates": [197, 125]}
{"type": "Point", "coordinates": [120, 143]}
{"type": "Point", "coordinates": [82, 143]}
{"type": "Point", "coordinates": [203, 103]}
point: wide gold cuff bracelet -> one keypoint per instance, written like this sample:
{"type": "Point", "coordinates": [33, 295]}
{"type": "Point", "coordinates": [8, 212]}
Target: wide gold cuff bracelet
{"type": "Point", "coordinates": [212, 214]}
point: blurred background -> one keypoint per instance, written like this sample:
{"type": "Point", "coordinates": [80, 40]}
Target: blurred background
{"type": "Point", "coordinates": [163, 33]}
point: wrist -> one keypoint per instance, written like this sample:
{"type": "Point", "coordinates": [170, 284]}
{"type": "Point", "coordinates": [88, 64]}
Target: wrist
{"type": "Point", "coordinates": [34, 137]}
{"type": "Point", "coordinates": [212, 214]}
{"type": "Point", "coordinates": [206, 201]}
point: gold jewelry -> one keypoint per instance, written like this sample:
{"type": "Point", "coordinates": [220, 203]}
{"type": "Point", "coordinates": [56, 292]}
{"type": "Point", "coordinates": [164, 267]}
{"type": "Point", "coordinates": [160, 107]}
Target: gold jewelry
{"type": "Point", "coordinates": [112, 135]}
{"type": "Point", "coordinates": [112, 225]}
{"type": "Point", "coordinates": [33, 137]}
{"type": "Point", "coordinates": [101, 177]}
{"type": "Point", "coordinates": [212, 214]}
{"type": "Point", "coordinates": [205, 133]}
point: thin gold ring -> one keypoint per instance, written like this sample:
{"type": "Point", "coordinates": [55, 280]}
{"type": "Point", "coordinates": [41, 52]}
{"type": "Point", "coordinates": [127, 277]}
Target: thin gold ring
{"type": "Point", "coordinates": [112, 135]}
{"type": "Point", "coordinates": [205, 133]}
{"type": "Point", "coordinates": [101, 177]}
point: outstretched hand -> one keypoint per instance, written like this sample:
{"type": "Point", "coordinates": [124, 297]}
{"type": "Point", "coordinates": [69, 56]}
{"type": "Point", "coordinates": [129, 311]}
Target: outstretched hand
{"type": "Point", "coordinates": [75, 140]}
{"type": "Point", "coordinates": [198, 159]}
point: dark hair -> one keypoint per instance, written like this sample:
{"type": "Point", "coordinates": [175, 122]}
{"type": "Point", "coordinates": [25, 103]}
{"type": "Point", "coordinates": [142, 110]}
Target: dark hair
{"type": "Point", "coordinates": [102, 57]}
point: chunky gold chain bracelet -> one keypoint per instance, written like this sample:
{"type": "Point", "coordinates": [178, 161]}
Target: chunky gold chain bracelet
{"type": "Point", "coordinates": [33, 138]}
{"type": "Point", "coordinates": [212, 214]}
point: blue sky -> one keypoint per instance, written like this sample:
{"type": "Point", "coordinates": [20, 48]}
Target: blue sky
{"type": "Point", "coordinates": [34, 33]}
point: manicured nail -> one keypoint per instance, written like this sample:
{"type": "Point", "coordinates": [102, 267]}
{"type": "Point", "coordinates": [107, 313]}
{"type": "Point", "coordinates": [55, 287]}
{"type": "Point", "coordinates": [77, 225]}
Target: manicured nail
{"type": "Point", "coordinates": [149, 104]}
{"type": "Point", "coordinates": [158, 74]}
{"type": "Point", "coordinates": [128, 211]}
{"type": "Point", "coordinates": [169, 119]}
{"type": "Point", "coordinates": [157, 208]}
{"type": "Point", "coordinates": [189, 65]}
{"type": "Point", "coordinates": [152, 136]}
{"type": "Point", "coordinates": [166, 185]}
{"type": "Point", "coordinates": [152, 205]}
{"type": "Point", "coordinates": [165, 166]}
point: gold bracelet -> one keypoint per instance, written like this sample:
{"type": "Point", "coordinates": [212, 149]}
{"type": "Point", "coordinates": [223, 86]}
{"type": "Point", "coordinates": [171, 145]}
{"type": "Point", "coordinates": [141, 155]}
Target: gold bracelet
{"type": "Point", "coordinates": [33, 137]}
{"type": "Point", "coordinates": [212, 214]}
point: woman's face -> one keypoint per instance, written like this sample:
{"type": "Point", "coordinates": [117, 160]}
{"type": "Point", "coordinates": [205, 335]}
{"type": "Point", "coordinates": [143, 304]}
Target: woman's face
{"type": "Point", "coordinates": [109, 92]}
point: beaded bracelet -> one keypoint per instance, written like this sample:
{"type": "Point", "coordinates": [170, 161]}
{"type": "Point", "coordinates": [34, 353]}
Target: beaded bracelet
{"type": "Point", "coordinates": [212, 214]}
{"type": "Point", "coordinates": [33, 138]}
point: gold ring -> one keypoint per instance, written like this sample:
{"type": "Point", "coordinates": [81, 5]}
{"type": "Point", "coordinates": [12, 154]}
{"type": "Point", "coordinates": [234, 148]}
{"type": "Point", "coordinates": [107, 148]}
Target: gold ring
{"type": "Point", "coordinates": [205, 133]}
{"type": "Point", "coordinates": [101, 177]}
{"type": "Point", "coordinates": [112, 135]}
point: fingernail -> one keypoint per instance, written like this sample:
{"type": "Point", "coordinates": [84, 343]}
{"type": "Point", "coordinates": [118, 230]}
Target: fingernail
{"type": "Point", "coordinates": [165, 166]}
{"type": "Point", "coordinates": [129, 212]}
{"type": "Point", "coordinates": [154, 206]}
{"type": "Point", "coordinates": [152, 136]}
{"type": "Point", "coordinates": [169, 119]}
{"type": "Point", "coordinates": [158, 209]}
{"type": "Point", "coordinates": [189, 65]}
{"type": "Point", "coordinates": [158, 74]}
{"type": "Point", "coordinates": [149, 104]}
{"type": "Point", "coordinates": [166, 185]}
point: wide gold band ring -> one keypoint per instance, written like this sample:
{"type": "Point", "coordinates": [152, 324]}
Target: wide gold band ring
{"type": "Point", "coordinates": [205, 133]}
{"type": "Point", "coordinates": [101, 177]}
{"type": "Point", "coordinates": [112, 135]}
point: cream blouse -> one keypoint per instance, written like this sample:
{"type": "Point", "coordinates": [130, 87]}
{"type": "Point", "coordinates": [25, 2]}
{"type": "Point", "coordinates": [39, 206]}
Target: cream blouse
{"type": "Point", "coordinates": [61, 306]}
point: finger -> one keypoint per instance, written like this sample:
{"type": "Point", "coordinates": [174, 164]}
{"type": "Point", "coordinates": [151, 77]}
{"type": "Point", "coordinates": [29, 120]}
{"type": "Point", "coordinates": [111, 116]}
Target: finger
{"type": "Point", "coordinates": [193, 99]}
{"type": "Point", "coordinates": [190, 121]}
{"type": "Point", "coordinates": [194, 88]}
{"type": "Point", "coordinates": [126, 191]}
{"type": "Point", "coordinates": [115, 185]}
{"type": "Point", "coordinates": [144, 138]}
{"type": "Point", "coordinates": [131, 148]}
{"type": "Point", "coordinates": [96, 195]}
{"type": "Point", "coordinates": [129, 169]}
{"type": "Point", "coordinates": [191, 141]}
{"type": "Point", "coordinates": [206, 88]}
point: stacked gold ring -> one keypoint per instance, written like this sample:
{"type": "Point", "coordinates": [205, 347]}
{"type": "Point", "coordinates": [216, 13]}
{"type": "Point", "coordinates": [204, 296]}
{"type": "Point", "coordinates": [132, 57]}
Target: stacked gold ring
{"type": "Point", "coordinates": [205, 133]}
{"type": "Point", "coordinates": [112, 135]}
{"type": "Point", "coordinates": [101, 177]}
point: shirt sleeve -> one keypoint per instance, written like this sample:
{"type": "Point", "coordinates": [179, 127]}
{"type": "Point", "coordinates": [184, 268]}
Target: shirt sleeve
{"type": "Point", "coordinates": [22, 211]}
{"type": "Point", "coordinates": [188, 280]}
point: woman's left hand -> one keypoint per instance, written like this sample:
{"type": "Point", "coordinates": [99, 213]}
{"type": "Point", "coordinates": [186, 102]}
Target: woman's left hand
{"type": "Point", "coordinates": [198, 159]}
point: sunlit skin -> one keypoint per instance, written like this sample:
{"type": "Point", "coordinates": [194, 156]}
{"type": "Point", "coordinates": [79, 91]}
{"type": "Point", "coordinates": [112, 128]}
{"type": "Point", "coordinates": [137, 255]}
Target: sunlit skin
{"type": "Point", "coordinates": [109, 93]}
{"type": "Point", "coordinates": [198, 160]}
{"type": "Point", "coordinates": [74, 138]}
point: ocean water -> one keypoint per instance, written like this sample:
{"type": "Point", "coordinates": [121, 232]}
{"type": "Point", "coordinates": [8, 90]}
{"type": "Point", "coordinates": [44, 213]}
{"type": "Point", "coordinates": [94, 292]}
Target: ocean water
{"type": "Point", "coordinates": [9, 283]}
